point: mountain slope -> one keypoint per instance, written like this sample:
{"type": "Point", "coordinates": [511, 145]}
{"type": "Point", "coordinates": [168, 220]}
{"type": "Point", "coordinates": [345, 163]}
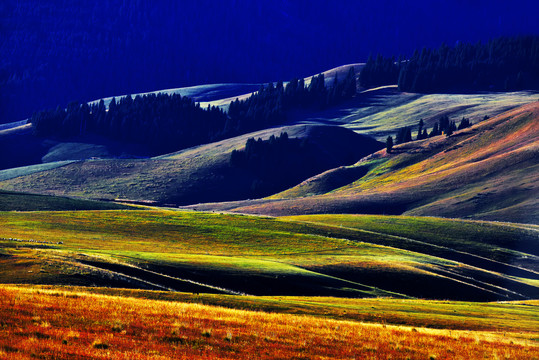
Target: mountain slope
{"type": "Point", "coordinates": [488, 171]}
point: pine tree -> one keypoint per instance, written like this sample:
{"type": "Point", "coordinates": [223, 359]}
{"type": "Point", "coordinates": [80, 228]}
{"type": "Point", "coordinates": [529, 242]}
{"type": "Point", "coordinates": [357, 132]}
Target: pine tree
{"type": "Point", "coordinates": [408, 135]}
{"type": "Point", "coordinates": [420, 129]}
{"type": "Point", "coordinates": [389, 144]}
{"type": "Point", "coordinates": [435, 130]}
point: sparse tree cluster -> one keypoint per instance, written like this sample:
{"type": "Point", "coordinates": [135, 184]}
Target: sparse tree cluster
{"type": "Point", "coordinates": [465, 123]}
{"type": "Point", "coordinates": [404, 135]}
{"type": "Point", "coordinates": [442, 126]}
{"type": "Point", "coordinates": [389, 144]}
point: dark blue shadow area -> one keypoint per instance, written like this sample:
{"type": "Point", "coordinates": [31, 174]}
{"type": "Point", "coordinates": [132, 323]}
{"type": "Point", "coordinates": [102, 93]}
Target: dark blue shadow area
{"type": "Point", "coordinates": [53, 52]}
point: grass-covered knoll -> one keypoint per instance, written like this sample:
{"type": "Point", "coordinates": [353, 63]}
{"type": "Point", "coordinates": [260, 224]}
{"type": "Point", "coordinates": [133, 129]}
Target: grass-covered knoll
{"type": "Point", "coordinates": [206, 252]}
{"type": "Point", "coordinates": [65, 324]}
{"type": "Point", "coordinates": [200, 174]}
{"type": "Point", "coordinates": [16, 201]}
{"type": "Point", "coordinates": [487, 171]}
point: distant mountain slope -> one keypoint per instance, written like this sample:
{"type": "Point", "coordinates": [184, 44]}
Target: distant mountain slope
{"type": "Point", "coordinates": [488, 171]}
{"type": "Point", "coordinates": [329, 77]}
{"type": "Point", "coordinates": [200, 174]}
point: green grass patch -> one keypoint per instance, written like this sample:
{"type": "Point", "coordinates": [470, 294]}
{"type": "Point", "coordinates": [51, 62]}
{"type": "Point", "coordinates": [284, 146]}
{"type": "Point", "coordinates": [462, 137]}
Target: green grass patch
{"type": "Point", "coordinates": [492, 240]}
{"type": "Point", "coordinates": [322, 255]}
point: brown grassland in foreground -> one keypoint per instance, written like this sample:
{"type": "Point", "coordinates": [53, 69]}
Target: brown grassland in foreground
{"type": "Point", "coordinates": [58, 324]}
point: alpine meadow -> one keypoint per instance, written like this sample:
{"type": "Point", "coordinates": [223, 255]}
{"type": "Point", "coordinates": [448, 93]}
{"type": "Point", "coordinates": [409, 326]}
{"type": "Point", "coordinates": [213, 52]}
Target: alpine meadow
{"type": "Point", "coordinates": [269, 180]}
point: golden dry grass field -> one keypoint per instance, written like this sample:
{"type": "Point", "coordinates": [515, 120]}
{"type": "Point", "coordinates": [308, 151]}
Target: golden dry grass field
{"type": "Point", "coordinates": [63, 324]}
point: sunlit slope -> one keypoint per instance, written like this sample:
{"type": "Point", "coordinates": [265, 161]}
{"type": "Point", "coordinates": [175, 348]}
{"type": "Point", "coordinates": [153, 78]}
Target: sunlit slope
{"type": "Point", "coordinates": [78, 324]}
{"type": "Point", "coordinates": [226, 253]}
{"type": "Point", "coordinates": [195, 175]}
{"type": "Point", "coordinates": [489, 171]}
{"type": "Point", "coordinates": [382, 111]}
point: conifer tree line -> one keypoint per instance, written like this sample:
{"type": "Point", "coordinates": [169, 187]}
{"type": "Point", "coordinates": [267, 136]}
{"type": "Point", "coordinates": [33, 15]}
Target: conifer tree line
{"type": "Point", "coordinates": [165, 123]}
{"type": "Point", "coordinates": [269, 105]}
{"type": "Point", "coordinates": [443, 126]}
{"type": "Point", "coordinates": [267, 159]}
{"type": "Point", "coordinates": [160, 122]}
{"type": "Point", "coordinates": [501, 64]}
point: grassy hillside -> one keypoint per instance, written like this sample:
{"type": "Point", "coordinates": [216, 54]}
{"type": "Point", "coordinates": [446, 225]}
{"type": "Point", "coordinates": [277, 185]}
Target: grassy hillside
{"type": "Point", "coordinates": [15, 201]}
{"type": "Point", "coordinates": [381, 111]}
{"type": "Point", "coordinates": [488, 171]}
{"type": "Point", "coordinates": [194, 175]}
{"type": "Point", "coordinates": [66, 324]}
{"type": "Point", "coordinates": [30, 169]}
{"type": "Point", "coordinates": [507, 316]}
{"type": "Point", "coordinates": [204, 252]}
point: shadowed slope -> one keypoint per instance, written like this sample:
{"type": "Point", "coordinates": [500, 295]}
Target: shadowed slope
{"type": "Point", "coordinates": [15, 201]}
{"type": "Point", "coordinates": [199, 174]}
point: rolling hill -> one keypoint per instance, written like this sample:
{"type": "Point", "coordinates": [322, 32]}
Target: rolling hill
{"type": "Point", "coordinates": [345, 256]}
{"type": "Point", "coordinates": [200, 174]}
{"type": "Point", "coordinates": [203, 174]}
{"type": "Point", "coordinates": [488, 171]}
{"type": "Point", "coordinates": [20, 147]}
{"type": "Point", "coordinates": [381, 111]}
{"type": "Point", "coordinates": [424, 285]}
